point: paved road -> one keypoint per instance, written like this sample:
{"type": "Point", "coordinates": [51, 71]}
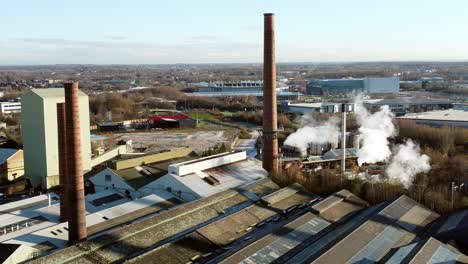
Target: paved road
{"type": "Point", "coordinates": [248, 144]}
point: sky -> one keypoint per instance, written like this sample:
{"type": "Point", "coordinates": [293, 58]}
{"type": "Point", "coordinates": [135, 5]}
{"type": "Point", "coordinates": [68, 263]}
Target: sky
{"type": "Point", "coordinates": [219, 31]}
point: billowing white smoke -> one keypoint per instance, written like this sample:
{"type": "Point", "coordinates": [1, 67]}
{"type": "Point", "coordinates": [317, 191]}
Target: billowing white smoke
{"type": "Point", "coordinates": [313, 131]}
{"type": "Point", "coordinates": [375, 129]}
{"type": "Point", "coordinates": [406, 162]}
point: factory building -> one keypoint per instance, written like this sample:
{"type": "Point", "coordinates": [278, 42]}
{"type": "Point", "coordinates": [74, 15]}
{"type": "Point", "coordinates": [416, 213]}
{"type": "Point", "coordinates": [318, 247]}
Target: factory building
{"type": "Point", "coordinates": [34, 222]}
{"type": "Point", "coordinates": [262, 223]}
{"type": "Point", "coordinates": [403, 105]}
{"type": "Point", "coordinates": [180, 173]}
{"type": "Point", "coordinates": [40, 135]}
{"type": "Point", "coordinates": [221, 209]}
{"type": "Point", "coordinates": [237, 87]}
{"type": "Point", "coordinates": [352, 141]}
{"type": "Point", "coordinates": [433, 79]}
{"type": "Point", "coordinates": [305, 108]}
{"type": "Point", "coordinates": [370, 85]}
{"type": "Point", "coordinates": [450, 117]}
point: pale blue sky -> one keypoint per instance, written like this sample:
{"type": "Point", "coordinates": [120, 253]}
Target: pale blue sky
{"type": "Point", "coordinates": [217, 31]}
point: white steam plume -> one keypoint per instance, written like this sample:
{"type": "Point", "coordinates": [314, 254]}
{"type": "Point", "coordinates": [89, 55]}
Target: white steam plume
{"type": "Point", "coordinates": [313, 131]}
{"type": "Point", "coordinates": [375, 129]}
{"type": "Point", "coordinates": [406, 162]}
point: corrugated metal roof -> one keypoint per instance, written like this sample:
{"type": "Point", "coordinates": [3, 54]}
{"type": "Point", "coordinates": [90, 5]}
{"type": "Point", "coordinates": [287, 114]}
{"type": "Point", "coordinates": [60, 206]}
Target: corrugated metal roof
{"type": "Point", "coordinates": [377, 247]}
{"type": "Point", "coordinates": [400, 221]}
{"type": "Point", "coordinates": [318, 247]}
{"type": "Point", "coordinates": [401, 254]}
{"type": "Point", "coordinates": [25, 203]}
{"type": "Point", "coordinates": [454, 220]}
{"type": "Point", "coordinates": [336, 153]}
{"type": "Point", "coordinates": [286, 242]}
{"type": "Point", "coordinates": [444, 255]}
{"type": "Point", "coordinates": [237, 226]}
{"type": "Point", "coordinates": [435, 251]}
{"type": "Point", "coordinates": [339, 205]}
{"type": "Point", "coordinates": [58, 234]}
{"type": "Point", "coordinates": [142, 234]}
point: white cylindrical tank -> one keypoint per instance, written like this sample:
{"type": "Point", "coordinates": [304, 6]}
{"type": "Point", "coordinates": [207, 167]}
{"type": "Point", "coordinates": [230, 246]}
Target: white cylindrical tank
{"type": "Point", "coordinates": [356, 141]}
{"type": "Point", "coordinates": [315, 149]}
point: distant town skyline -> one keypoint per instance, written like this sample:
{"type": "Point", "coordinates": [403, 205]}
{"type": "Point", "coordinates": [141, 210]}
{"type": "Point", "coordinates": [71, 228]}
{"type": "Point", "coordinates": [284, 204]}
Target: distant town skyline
{"type": "Point", "coordinates": [208, 31]}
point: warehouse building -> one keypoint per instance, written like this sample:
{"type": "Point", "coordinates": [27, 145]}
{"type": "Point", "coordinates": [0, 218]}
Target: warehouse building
{"type": "Point", "coordinates": [370, 85]}
{"type": "Point", "coordinates": [180, 174]}
{"type": "Point", "coordinates": [242, 88]}
{"type": "Point", "coordinates": [403, 105]}
{"type": "Point", "coordinates": [450, 117]}
{"type": "Point", "coordinates": [323, 107]}
{"type": "Point", "coordinates": [155, 229]}
{"type": "Point", "coordinates": [105, 211]}
{"type": "Point", "coordinates": [260, 223]}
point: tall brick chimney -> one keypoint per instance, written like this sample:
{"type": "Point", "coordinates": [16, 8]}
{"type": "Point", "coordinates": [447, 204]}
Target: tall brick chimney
{"type": "Point", "coordinates": [76, 196]}
{"type": "Point", "coordinates": [62, 152]}
{"type": "Point", "coordinates": [270, 123]}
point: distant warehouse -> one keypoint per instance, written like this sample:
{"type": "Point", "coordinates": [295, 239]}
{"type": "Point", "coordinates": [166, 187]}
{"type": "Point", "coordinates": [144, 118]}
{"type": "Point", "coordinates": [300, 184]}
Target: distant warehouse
{"type": "Point", "coordinates": [457, 117]}
{"type": "Point", "coordinates": [370, 85]}
{"type": "Point", "coordinates": [403, 105]}
{"type": "Point", "coordinates": [241, 88]}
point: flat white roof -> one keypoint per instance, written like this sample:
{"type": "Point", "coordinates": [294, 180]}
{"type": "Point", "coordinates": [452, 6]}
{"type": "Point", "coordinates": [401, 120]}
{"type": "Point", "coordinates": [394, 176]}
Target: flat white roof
{"type": "Point", "coordinates": [229, 176]}
{"type": "Point", "coordinates": [32, 214]}
{"type": "Point", "coordinates": [58, 234]}
{"type": "Point", "coordinates": [444, 115]}
{"type": "Point", "coordinates": [27, 202]}
{"type": "Point", "coordinates": [311, 105]}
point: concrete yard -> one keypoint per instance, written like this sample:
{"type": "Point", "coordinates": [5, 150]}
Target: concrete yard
{"type": "Point", "coordinates": [160, 140]}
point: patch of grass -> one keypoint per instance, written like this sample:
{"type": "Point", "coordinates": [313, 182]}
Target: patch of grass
{"type": "Point", "coordinates": [244, 134]}
{"type": "Point", "coordinates": [201, 115]}
{"type": "Point", "coordinates": [227, 114]}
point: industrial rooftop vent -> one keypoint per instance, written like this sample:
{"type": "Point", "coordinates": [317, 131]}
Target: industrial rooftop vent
{"type": "Point", "coordinates": [211, 180]}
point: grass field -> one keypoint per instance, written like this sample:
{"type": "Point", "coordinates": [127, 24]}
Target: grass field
{"type": "Point", "coordinates": [201, 115]}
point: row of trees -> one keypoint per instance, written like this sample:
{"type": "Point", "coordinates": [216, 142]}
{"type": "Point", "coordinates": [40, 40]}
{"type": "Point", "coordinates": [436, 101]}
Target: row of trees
{"type": "Point", "coordinates": [137, 104]}
{"type": "Point", "coordinates": [447, 140]}
{"type": "Point", "coordinates": [214, 150]}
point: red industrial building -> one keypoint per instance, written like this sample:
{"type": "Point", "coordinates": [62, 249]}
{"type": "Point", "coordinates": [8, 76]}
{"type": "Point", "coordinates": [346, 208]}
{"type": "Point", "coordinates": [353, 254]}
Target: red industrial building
{"type": "Point", "coordinates": [170, 119]}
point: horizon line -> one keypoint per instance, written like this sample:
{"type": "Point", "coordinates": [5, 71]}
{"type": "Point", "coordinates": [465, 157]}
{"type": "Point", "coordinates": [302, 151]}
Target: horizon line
{"type": "Point", "coordinates": [238, 63]}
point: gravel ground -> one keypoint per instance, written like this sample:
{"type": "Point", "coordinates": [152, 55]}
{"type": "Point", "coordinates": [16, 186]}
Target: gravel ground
{"type": "Point", "coordinates": [197, 140]}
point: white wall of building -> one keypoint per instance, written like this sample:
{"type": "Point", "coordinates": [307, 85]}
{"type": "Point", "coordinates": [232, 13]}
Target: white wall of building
{"type": "Point", "coordinates": [179, 189]}
{"type": "Point", "coordinates": [193, 166]}
{"type": "Point", "coordinates": [108, 180]}
{"type": "Point", "coordinates": [382, 85]}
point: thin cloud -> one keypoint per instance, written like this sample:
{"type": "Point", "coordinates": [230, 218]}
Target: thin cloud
{"type": "Point", "coordinates": [66, 51]}
{"type": "Point", "coordinates": [116, 37]}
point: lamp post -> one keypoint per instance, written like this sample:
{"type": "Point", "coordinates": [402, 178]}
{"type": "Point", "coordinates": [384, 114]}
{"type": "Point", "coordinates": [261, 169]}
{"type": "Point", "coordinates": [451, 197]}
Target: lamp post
{"type": "Point", "coordinates": [454, 188]}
